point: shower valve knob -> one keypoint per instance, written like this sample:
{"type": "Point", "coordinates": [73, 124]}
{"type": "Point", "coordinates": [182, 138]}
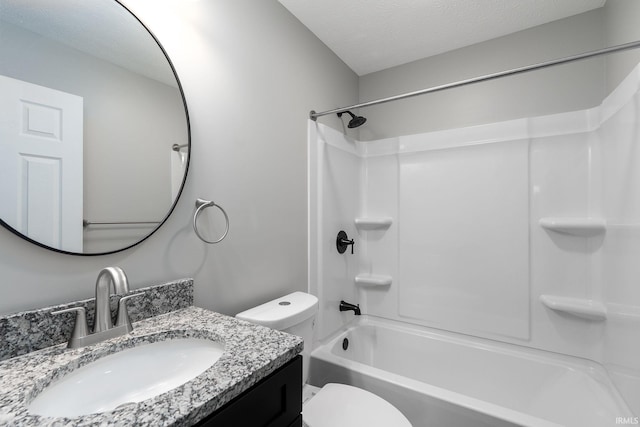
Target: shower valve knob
{"type": "Point", "coordinates": [342, 241]}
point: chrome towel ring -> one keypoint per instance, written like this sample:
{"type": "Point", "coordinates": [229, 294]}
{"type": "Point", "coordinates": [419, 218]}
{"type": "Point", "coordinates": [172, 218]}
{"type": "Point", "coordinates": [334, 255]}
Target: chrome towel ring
{"type": "Point", "coordinates": [201, 205]}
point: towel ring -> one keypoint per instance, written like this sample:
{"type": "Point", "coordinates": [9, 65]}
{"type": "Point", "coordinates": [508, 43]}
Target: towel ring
{"type": "Point", "coordinates": [201, 205]}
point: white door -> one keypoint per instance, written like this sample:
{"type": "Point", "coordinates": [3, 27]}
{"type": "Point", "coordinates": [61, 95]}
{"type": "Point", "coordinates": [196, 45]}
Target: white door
{"type": "Point", "coordinates": [41, 163]}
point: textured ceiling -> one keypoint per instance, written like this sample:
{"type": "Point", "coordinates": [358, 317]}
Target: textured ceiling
{"type": "Point", "coordinates": [372, 35]}
{"type": "Point", "coordinates": [103, 29]}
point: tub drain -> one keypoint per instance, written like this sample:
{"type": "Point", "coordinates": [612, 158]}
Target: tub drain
{"type": "Point", "coordinates": [345, 344]}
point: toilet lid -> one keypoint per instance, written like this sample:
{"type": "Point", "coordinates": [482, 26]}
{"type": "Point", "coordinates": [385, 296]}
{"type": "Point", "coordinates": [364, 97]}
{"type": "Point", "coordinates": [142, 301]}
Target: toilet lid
{"type": "Point", "coordinates": [337, 405]}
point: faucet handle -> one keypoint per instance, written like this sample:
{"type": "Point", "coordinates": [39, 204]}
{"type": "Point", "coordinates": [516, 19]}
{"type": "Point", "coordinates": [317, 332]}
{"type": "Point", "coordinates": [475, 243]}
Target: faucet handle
{"type": "Point", "coordinates": [342, 241]}
{"type": "Point", "coordinates": [80, 329]}
{"type": "Point", "coordinates": [123, 314]}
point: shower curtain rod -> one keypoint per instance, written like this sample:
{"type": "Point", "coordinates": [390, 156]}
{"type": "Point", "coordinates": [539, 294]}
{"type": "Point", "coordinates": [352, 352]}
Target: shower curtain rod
{"type": "Point", "coordinates": [626, 46]}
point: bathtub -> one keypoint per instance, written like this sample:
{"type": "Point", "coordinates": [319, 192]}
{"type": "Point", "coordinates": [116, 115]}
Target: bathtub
{"type": "Point", "coordinates": [443, 379]}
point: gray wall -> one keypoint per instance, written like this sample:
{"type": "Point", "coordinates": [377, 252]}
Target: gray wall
{"type": "Point", "coordinates": [251, 73]}
{"type": "Point", "coordinates": [563, 88]}
{"type": "Point", "coordinates": [621, 25]}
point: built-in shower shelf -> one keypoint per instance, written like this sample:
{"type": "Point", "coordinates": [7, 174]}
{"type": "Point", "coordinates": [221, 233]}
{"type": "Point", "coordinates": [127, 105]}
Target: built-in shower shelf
{"type": "Point", "coordinates": [373, 280]}
{"type": "Point", "coordinates": [579, 307]}
{"type": "Point", "coordinates": [373, 223]}
{"type": "Point", "coordinates": [585, 227]}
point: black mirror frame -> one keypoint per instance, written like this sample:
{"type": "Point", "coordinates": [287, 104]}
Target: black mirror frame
{"type": "Point", "coordinates": [186, 170]}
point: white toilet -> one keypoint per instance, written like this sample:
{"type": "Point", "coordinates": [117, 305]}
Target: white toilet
{"type": "Point", "coordinates": [335, 405]}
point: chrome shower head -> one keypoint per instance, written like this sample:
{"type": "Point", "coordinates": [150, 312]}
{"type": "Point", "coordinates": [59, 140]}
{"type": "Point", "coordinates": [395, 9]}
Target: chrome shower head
{"type": "Point", "coordinates": [355, 120]}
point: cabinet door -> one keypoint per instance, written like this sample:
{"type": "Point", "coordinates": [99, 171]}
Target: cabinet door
{"type": "Point", "coordinates": [276, 401]}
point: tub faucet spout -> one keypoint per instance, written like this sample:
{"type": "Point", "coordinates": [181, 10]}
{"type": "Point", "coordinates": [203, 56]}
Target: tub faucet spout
{"type": "Point", "coordinates": [345, 306]}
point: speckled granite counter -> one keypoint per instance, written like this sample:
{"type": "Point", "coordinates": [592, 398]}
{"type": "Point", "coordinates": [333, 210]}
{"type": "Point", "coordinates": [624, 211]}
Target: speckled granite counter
{"type": "Point", "coordinates": [32, 330]}
{"type": "Point", "coordinates": [252, 352]}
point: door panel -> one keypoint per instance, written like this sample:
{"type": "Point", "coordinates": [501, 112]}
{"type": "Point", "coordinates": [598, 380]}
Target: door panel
{"type": "Point", "coordinates": [41, 149]}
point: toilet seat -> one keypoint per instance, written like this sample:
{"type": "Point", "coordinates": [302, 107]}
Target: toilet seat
{"type": "Point", "coordinates": [337, 405]}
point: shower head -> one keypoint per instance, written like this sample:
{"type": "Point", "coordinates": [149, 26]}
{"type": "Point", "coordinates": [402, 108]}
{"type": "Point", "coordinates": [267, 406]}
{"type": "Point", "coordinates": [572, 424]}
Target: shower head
{"type": "Point", "coordinates": [355, 120]}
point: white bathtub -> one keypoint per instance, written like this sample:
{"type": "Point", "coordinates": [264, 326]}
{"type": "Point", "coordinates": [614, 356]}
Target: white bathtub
{"type": "Point", "coordinates": [441, 379]}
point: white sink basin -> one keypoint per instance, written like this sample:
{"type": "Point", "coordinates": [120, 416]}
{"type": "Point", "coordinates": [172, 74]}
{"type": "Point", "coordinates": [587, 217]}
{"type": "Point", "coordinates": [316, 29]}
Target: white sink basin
{"type": "Point", "coordinates": [131, 375]}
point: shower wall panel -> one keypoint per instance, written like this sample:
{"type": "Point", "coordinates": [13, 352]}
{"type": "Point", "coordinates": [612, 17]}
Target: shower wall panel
{"type": "Point", "coordinates": [620, 147]}
{"type": "Point", "coordinates": [465, 250]}
{"type": "Point", "coordinates": [464, 238]}
{"type": "Point", "coordinates": [525, 231]}
{"type": "Point", "coordinates": [334, 191]}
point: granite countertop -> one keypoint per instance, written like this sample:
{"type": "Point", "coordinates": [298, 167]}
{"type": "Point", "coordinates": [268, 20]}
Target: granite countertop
{"type": "Point", "coordinates": [252, 352]}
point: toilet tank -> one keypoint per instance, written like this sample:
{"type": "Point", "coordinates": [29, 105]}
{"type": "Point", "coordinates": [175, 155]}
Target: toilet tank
{"type": "Point", "coordinates": [293, 313]}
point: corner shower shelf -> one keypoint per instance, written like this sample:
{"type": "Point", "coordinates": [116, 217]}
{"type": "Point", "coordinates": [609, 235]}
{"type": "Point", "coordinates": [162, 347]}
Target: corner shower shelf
{"type": "Point", "coordinates": [373, 280]}
{"type": "Point", "coordinates": [585, 227]}
{"type": "Point", "coordinates": [373, 223]}
{"type": "Point", "coordinates": [579, 307]}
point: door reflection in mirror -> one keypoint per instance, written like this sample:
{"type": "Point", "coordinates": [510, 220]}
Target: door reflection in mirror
{"type": "Point", "coordinates": [41, 163]}
{"type": "Point", "coordinates": [132, 113]}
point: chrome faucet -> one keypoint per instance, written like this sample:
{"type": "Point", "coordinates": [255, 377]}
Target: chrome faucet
{"type": "Point", "coordinates": [345, 306]}
{"type": "Point", "coordinates": [103, 327]}
{"type": "Point", "coordinates": [106, 277]}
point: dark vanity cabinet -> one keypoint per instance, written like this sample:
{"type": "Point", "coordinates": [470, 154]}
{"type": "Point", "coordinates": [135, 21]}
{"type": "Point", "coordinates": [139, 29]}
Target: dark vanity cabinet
{"type": "Point", "coordinates": [276, 401]}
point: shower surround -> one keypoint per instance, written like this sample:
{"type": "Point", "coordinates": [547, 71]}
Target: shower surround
{"type": "Point", "coordinates": [524, 232]}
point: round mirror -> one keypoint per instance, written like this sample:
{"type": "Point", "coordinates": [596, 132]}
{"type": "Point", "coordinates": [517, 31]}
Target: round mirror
{"type": "Point", "coordinates": [94, 129]}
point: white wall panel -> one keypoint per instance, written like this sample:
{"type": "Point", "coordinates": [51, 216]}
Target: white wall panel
{"type": "Point", "coordinates": [335, 196]}
{"type": "Point", "coordinates": [380, 247]}
{"type": "Point", "coordinates": [620, 146]}
{"type": "Point", "coordinates": [464, 239]}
